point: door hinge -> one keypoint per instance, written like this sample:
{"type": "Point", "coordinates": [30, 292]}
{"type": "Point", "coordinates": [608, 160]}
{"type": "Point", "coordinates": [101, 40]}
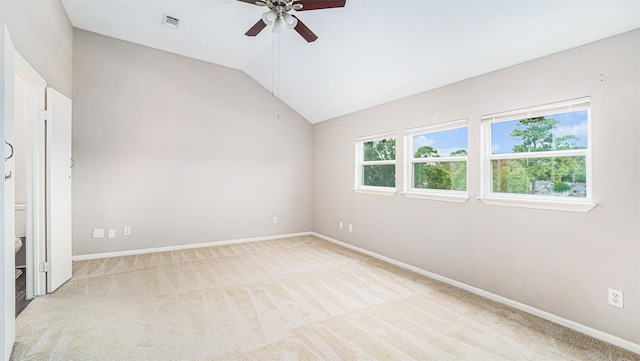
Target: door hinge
{"type": "Point", "coordinates": [43, 115]}
{"type": "Point", "coordinates": [44, 267]}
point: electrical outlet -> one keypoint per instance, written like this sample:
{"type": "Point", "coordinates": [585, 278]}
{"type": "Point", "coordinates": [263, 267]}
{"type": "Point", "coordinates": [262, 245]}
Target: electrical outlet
{"type": "Point", "coordinates": [275, 220]}
{"type": "Point", "coordinates": [127, 230]}
{"type": "Point", "coordinates": [616, 298]}
{"type": "Point", "coordinates": [341, 225]}
{"type": "Point", "coordinates": [98, 233]}
{"type": "Point", "coordinates": [350, 228]}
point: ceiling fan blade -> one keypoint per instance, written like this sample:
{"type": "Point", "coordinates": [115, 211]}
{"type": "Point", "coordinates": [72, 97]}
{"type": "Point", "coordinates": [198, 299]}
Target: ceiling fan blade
{"type": "Point", "coordinates": [319, 4]}
{"type": "Point", "coordinates": [305, 32]}
{"type": "Point", "coordinates": [253, 2]}
{"type": "Point", "coordinates": [256, 28]}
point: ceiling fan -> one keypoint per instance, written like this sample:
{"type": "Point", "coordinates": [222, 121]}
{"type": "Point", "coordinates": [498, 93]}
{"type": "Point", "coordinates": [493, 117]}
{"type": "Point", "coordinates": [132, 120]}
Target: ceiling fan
{"type": "Point", "coordinates": [278, 15]}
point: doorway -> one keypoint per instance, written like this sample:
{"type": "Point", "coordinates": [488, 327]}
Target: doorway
{"type": "Point", "coordinates": [45, 116]}
{"type": "Point", "coordinates": [29, 171]}
{"type": "Point", "coordinates": [19, 147]}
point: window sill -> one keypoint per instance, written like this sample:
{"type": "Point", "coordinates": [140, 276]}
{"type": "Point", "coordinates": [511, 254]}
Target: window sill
{"type": "Point", "coordinates": [568, 206]}
{"type": "Point", "coordinates": [379, 191]}
{"type": "Point", "coordinates": [457, 198]}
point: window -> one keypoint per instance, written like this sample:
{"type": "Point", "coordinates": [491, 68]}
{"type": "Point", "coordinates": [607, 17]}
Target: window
{"type": "Point", "coordinates": [376, 164]}
{"type": "Point", "coordinates": [436, 162]}
{"type": "Point", "coordinates": [539, 157]}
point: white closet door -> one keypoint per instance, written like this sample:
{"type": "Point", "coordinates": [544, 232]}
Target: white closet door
{"type": "Point", "coordinates": [58, 189]}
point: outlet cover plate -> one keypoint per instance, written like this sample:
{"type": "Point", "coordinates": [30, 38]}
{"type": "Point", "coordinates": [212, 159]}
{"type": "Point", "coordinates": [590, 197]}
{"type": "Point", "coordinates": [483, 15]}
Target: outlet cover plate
{"type": "Point", "coordinates": [616, 298]}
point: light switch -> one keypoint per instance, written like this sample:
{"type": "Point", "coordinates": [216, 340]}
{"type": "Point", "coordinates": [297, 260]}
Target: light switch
{"type": "Point", "coordinates": [98, 233]}
{"type": "Point", "coordinates": [112, 233]}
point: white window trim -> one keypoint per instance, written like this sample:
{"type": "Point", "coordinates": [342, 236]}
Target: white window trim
{"type": "Point", "coordinates": [379, 191]}
{"type": "Point", "coordinates": [431, 194]}
{"type": "Point", "coordinates": [359, 188]}
{"type": "Point", "coordinates": [571, 204]}
{"type": "Point", "coordinates": [560, 205]}
{"type": "Point", "coordinates": [460, 197]}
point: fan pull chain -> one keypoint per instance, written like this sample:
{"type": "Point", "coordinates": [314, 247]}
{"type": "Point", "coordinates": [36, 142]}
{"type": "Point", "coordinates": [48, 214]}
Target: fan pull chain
{"type": "Point", "coordinates": [275, 73]}
{"type": "Point", "coordinates": [275, 65]}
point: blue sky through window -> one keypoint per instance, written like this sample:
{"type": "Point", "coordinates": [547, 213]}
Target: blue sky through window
{"type": "Point", "coordinates": [444, 142]}
{"type": "Point", "coordinates": [572, 123]}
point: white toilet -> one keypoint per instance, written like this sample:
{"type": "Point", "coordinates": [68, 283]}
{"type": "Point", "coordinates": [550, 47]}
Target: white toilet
{"type": "Point", "coordinates": [21, 231]}
{"type": "Point", "coordinates": [18, 247]}
{"type": "Point", "coordinates": [18, 244]}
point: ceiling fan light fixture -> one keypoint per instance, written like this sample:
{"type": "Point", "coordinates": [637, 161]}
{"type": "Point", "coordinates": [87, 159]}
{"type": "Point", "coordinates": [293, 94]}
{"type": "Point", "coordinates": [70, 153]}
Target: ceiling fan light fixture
{"type": "Point", "coordinates": [279, 26]}
{"type": "Point", "coordinates": [269, 17]}
{"type": "Point", "coordinates": [290, 20]}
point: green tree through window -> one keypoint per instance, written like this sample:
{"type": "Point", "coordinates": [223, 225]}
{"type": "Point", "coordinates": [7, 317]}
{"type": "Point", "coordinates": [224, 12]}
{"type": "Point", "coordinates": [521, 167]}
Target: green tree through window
{"type": "Point", "coordinates": [439, 175]}
{"type": "Point", "coordinates": [379, 175]}
{"type": "Point", "coordinates": [437, 157]}
{"type": "Point", "coordinates": [539, 175]}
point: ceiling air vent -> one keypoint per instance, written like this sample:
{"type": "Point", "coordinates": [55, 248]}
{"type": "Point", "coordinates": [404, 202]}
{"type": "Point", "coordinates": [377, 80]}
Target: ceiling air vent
{"type": "Point", "coordinates": [170, 21]}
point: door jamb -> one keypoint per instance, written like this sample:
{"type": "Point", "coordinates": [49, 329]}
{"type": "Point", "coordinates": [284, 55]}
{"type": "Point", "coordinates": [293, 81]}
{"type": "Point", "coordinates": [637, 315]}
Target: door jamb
{"type": "Point", "coordinates": [36, 207]}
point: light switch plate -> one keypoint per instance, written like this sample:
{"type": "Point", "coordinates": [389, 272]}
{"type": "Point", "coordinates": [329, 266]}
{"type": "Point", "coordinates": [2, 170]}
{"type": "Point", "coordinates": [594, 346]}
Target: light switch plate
{"type": "Point", "coordinates": [98, 233]}
{"type": "Point", "coordinates": [112, 233]}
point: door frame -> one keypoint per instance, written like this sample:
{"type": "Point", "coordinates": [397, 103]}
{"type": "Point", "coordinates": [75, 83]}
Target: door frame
{"type": "Point", "coordinates": [7, 252]}
{"type": "Point", "coordinates": [36, 178]}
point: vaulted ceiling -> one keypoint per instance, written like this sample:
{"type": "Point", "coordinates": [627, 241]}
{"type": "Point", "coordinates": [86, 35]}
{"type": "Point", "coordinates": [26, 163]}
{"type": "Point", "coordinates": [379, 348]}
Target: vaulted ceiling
{"type": "Point", "coordinates": [369, 52]}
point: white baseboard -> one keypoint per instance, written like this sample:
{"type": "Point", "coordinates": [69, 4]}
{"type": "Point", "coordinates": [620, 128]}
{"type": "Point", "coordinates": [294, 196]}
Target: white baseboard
{"type": "Point", "coordinates": [614, 340]}
{"type": "Point", "coordinates": [84, 257]}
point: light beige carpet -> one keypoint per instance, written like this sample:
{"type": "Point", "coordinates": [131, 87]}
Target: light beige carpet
{"type": "Point", "coordinates": [289, 299]}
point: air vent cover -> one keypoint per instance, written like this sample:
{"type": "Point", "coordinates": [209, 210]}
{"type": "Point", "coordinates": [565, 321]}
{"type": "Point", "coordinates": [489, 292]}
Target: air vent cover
{"type": "Point", "coordinates": [170, 21]}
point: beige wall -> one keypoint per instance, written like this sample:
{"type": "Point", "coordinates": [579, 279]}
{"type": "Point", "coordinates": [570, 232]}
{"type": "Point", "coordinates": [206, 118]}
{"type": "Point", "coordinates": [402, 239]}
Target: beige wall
{"type": "Point", "coordinates": [558, 262]}
{"type": "Point", "coordinates": [41, 32]}
{"type": "Point", "coordinates": [181, 150]}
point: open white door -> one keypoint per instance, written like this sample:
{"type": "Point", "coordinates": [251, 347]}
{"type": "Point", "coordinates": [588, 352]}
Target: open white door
{"type": "Point", "coordinates": [7, 251]}
{"type": "Point", "coordinates": [58, 123]}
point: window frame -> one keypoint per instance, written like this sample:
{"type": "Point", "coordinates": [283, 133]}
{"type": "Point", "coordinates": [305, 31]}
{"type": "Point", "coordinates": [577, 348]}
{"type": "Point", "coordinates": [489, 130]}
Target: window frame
{"type": "Point", "coordinates": [360, 163]}
{"type": "Point", "coordinates": [561, 203]}
{"type": "Point", "coordinates": [409, 190]}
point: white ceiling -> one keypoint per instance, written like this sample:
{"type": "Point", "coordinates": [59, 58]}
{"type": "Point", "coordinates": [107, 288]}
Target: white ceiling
{"type": "Point", "coordinates": [369, 52]}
